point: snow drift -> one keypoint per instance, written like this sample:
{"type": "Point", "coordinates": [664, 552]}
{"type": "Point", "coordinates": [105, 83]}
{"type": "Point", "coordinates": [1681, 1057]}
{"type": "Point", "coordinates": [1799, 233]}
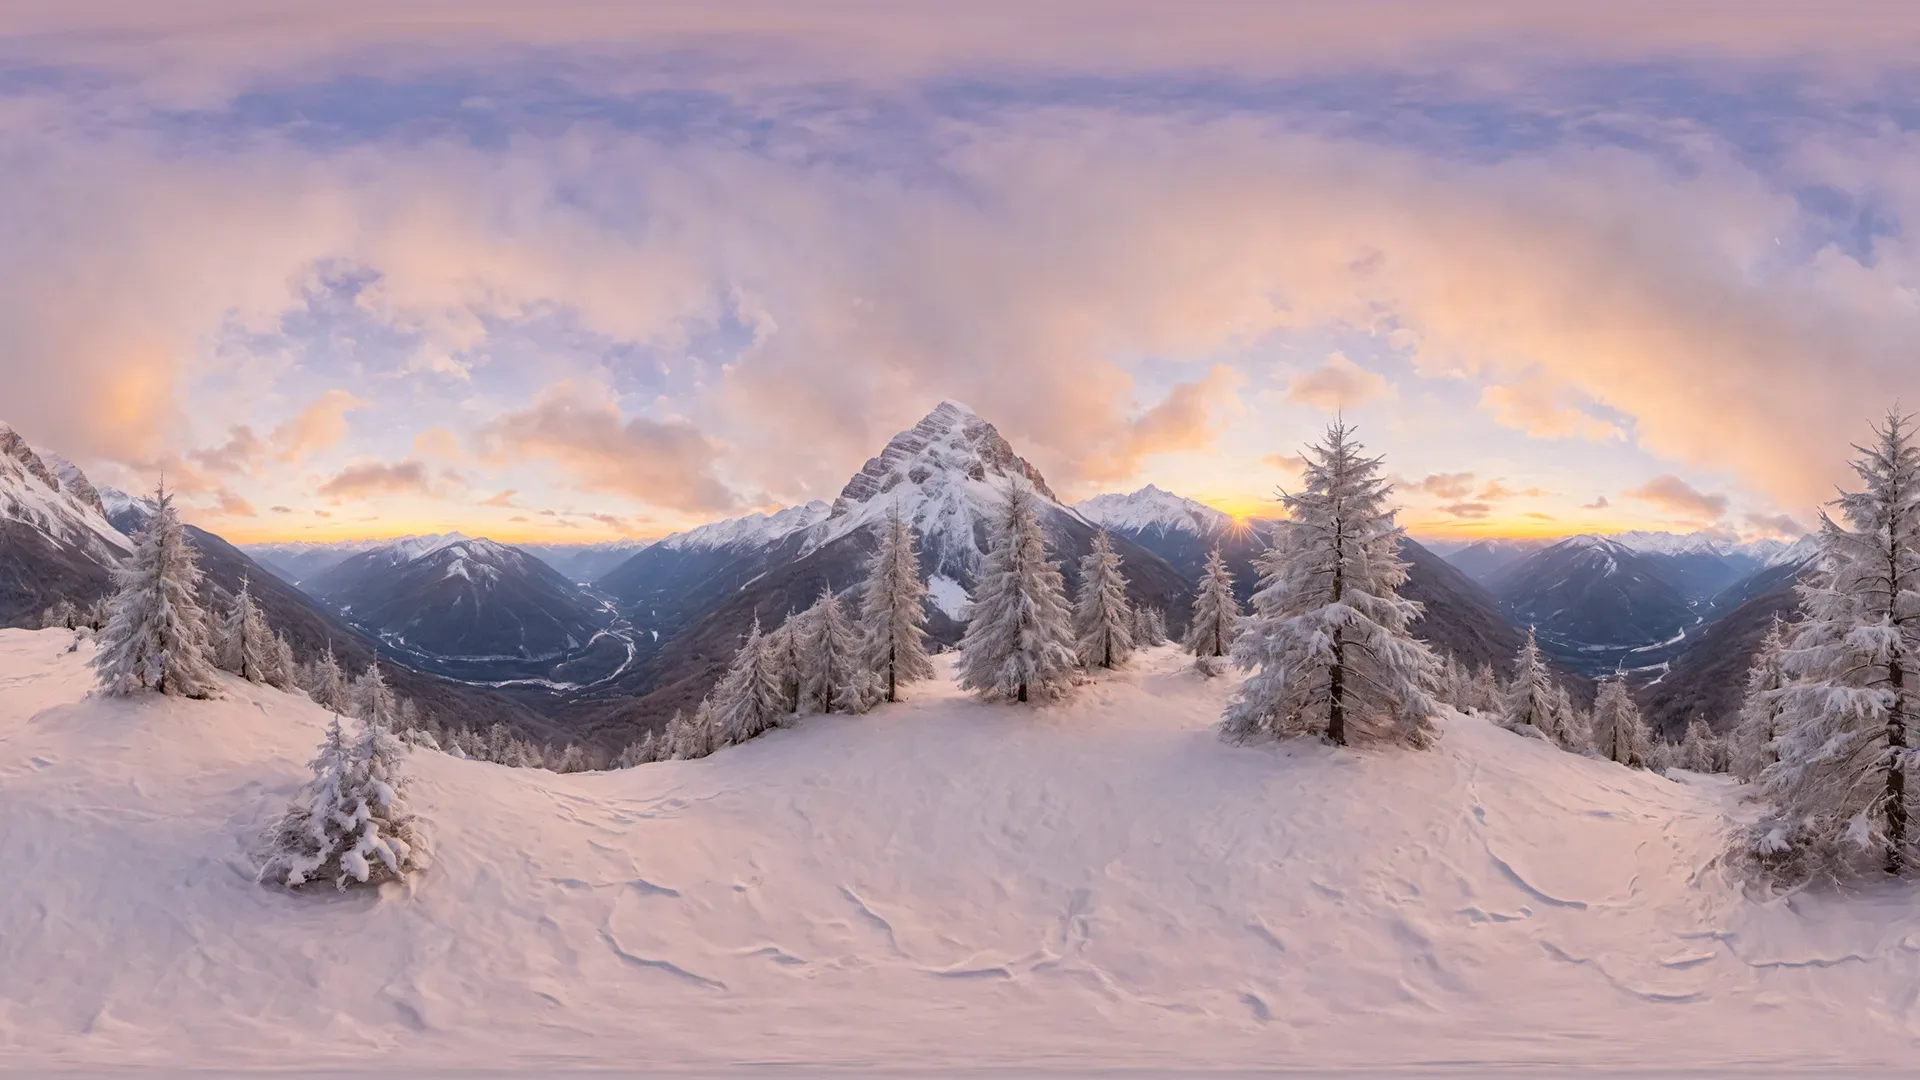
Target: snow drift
{"type": "Point", "coordinates": [939, 883]}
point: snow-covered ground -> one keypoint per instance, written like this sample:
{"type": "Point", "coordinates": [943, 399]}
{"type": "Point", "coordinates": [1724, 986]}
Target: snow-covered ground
{"type": "Point", "coordinates": [937, 885]}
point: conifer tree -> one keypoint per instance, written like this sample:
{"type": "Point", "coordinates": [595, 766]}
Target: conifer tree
{"type": "Point", "coordinates": [1619, 732]}
{"type": "Point", "coordinates": [833, 673]}
{"type": "Point", "coordinates": [746, 702]}
{"type": "Point", "coordinates": [1018, 642]}
{"type": "Point", "coordinates": [1841, 790]}
{"type": "Point", "coordinates": [1761, 710]}
{"type": "Point", "coordinates": [1486, 694]}
{"type": "Point", "coordinates": [1530, 698]}
{"type": "Point", "coordinates": [157, 637]}
{"type": "Point", "coordinates": [1102, 618]}
{"type": "Point", "coordinates": [1215, 612]}
{"type": "Point", "coordinates": [281, 674]}
{"type": "Point", "coordinates": [782, 648]}
{"type": "Point", "coordinates": [60, 615]}
{"type": "Point", "coordinates": [893, 611]}
{"type": "Point", "coordinates": [1569, 724]}
{"type": "Point", "coordinates": [1153, 627]}
{"type": "Point", "coordinates": [1700, 751]}
{"type": "Point", "coordinates": [246, 643]}
{"type": "Point", "coordinates": [329, 689]}
{"type": "Point", "coordinates": [351, 824]}
{"type": "Point", "coordinates": [372, 699]}
{"type": "Point", "coordinates": [1327, 639]}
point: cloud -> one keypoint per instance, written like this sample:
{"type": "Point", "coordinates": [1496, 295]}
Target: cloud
{"type": "Point", "coordinates": [241, 453]}
{"type": "Point", "coordinates": [322, 514]}
{"type": "Point", "coordinates": [1468, 509]}
{"type": "Point", "coordinates": [1676, 496]}
{"type": "Point", "coordinates": [282, 509]}
{"type": "Point", "coordinates": [375, 479]}
{"type": "Point", "coordinates": [319, 426]}
{"type": "Point", "coordinates": [1292, 463]}
{"type": "Point", "coordinates": [1444, 485]}
{"type": "Point", "coordinates": [1183, 420]}
{"type": "Point", "coordinates": [232, 505]}
{"type": "Point", "coordinates": [1776, 526]}
{"type": "Point", "coordinates": [1542, 409]}
{"type": "Point", "coordinates": [667, 463]}
{"type": "Point", "coordinates": [437, 442]}
{"type": "Point", "coordinates": [1538, 516]}
{"type": "Point", "coordinates": [1599, 503]}
{"type": "Point", "coordinates": [504, 498]}
{"type": "Point", "coordinates": [1496, 490]}
{"type": "Point", "coordinates": [1337, 384]}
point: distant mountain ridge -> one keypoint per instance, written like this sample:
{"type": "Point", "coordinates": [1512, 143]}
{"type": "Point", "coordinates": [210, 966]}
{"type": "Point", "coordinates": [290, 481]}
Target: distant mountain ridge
{"type": "Point", "coordinates": [55, 539]}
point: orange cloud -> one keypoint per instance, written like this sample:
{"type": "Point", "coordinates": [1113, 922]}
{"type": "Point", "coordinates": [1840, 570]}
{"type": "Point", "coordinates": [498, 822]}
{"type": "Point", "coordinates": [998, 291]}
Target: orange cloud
{"type": "Point", "coordinates": [1676, 496]}
{"type": "Point", "coordinates": [1338, 384]}
{"type": "Point", "coordinates": [667, 463]}
{"type": "Point", "coordinates": [374, 479]}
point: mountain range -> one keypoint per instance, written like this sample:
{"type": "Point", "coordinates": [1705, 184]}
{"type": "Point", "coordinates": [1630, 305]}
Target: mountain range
{"type": "Point", "coordinates": [602, 641]}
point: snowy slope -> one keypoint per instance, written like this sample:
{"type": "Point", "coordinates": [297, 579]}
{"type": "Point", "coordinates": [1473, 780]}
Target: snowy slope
{"type": "Point", "coordinates": [68, 513]}
{"type": "Point", "coordinates": [1101, 884]}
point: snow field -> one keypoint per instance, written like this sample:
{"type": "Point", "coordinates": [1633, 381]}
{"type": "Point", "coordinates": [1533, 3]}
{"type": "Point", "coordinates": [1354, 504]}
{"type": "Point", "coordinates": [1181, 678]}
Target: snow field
{"type": "Point", "coordinates": [939, 883]}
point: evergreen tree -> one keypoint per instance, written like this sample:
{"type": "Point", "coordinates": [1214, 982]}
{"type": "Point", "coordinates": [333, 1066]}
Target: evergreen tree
{"type": "Point", "coordinates": [246, 643]}
{"type": "Point", "coordinates": [157, 637]}
{"type": "Point", "coordinates": [1153, 627]}
{"type": "Point", "coordinates": [1486, 695]}
{"type": "Point", "coordinates": [1761, 710]}
{"type": "Point", "coordinates": [1018, 642]}
{"type": "Point", "coordinates": [833, 673]}
{"type": "Point", "coordinates": [1619, 732]}
{"type": "Point", "coordinates": [1701, 751]}
{"type": "Point", "coordinates": [1215, 612]}
{"type": "Point", "coordinates": [372, 700]}
{"type": "Point", "coordinates": [60, 615]}
{"type": "Point", "coordinates": [1327, 639]}
{"type": "Point", "coordinates": [281, 674]}
{"type": "Point", "coordinates": [747, 700]}
{"type": "Point", "coordinates": [641, 751]}
{"type": "Point", "coordinates": [1840, 790]}
{"type": "Point", "coordinates": [1531, 698]}
{"type": "Point", "coordinates": [782, 648]}
{"type": "Point", "coordinates": [1569, 724]}
{"type": "Point", "coordinates": [329, 684]}
{"type": "Point", "coordinates": [351, 825]}
{"type": "Point", "coordinates": [893, 611]}
{"type": "Point", "coordinates": [1102, 618]}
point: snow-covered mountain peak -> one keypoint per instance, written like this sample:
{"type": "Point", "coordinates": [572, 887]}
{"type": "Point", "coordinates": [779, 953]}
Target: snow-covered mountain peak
{"type": "Point", "coordinates": [69, 514]}
{"type": "Point", "coordinates": [948, 445]}
{"type": "Point", "coordinates": [1152, 509]}
{"type": "Point", "coordinates": [749, 531]}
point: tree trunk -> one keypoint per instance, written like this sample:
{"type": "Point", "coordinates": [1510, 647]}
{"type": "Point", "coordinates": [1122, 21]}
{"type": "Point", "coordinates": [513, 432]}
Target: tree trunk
{"type": "Point", "coordinates": [1023, 691]}
{"type": "Point", "coordinates": [1337, 678]}
{"type": "Point", "coordinates": [1896, 773]}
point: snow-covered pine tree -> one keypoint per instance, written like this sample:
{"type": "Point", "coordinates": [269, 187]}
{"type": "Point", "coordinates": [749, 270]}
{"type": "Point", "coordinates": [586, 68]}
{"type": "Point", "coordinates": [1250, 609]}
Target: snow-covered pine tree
{"type": "Point", "coordinates": [746, 702]}
{"type": "Point", "coordinates": [60, 615]}
{"type": "Point", "coordinates": [157, 637]}
{"type": "Point", "coordinates": [372, 699]}
{"type": "Point", "coordinates": [833, 673]}
{"type": "Point", "coordinates": [642, 751]}
{"type": "Point", "coordinates": [351, 824]}
{"type": "Point", "coordinates": [782, 648]}
{"type": "Point", "coordinates": [1486, 694]}
{"type": "Point", "coordinates": [1216, 613]}
{"type": "Point", "coordinates": [1569, 724]}
{"type": "Point", "coordinates": [246, 642]}
{"type": "Point", "coordinates": [1700, 751]}
{"type": "Point", "coordinates": [329, 684]}
{"type": "Point", "coordinates": [98, 613]}
{"type": "Point", "coordinates": [1619, 732]}
{"type": "Point", "coordinates": [1018, 643]}
{"type": "Point", "coordinates": [1102, 618]}
{"type": "Point", "coordinates": [1327, 638]}
{"type": "Point", "coordinates": [1842, 793]}
{"type": "Point", "coordinates": [893, 611]}
{"type": "Point", "coordinates": [1530, 697]}
{"type": "Point", "coordinates": [280, 674]}
{"type": "Point", "coordinates": [1153, 627]}
{"type": "Point", "coordinates": [1751, 747]}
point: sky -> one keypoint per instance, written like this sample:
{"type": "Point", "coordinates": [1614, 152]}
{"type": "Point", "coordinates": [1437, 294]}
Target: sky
{"type": "Point", "coordinates": [573, 271]}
